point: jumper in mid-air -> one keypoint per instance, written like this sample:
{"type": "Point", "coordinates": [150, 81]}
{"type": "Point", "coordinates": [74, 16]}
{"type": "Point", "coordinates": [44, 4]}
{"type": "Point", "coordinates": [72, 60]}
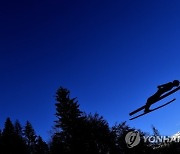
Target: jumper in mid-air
{"type": "Point", "coordinates": [162, 92]}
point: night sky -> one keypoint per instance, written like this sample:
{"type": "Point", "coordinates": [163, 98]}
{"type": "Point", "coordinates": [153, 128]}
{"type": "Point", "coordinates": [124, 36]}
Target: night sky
{"type": "Point", "coordinates": [111, 55]}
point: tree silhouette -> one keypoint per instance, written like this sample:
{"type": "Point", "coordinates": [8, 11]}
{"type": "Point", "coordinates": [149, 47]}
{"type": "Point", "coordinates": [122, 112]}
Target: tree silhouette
{"type": "Point", "coordinates": [15, 140]}
{"type": "Point", "coordinates": [69, 116]}
{"type": "Point", "coordinates": [41, 146]}
{"type": "Point", "coordinates": [97, 135]}
{"type": "Point", "coordinates": [56, 144]}
{"type": "Point", "coordinates": [18, 128]}
{"type": "Point", "coordinates": [0, 141]}
{"type": "Point", "coordinates": [8, 137]}
{"type": "Point", "coordinates": [67, 110]}
{"type": "Point", "coordinates": [120, 131]}
{"type": "Point", "coordinates": [30, 137]}
{"type": "Point", "coordinates": [20, 143]}
{"type": "Point", "coordinates": [78, 132]}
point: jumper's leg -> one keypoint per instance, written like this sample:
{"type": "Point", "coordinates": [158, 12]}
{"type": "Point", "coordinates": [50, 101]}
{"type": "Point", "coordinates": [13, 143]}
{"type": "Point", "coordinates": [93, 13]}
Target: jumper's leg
{"type": "Point", "coordinates": [148, 104]}
{"type": "Point", "coordinates": [147, 108]}
{"type": "Point", "coordinates": [151, 100]}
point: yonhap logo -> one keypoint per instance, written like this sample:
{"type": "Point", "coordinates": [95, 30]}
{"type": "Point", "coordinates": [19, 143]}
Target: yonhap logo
{"type": "Point", "coordinates": [132, 139]}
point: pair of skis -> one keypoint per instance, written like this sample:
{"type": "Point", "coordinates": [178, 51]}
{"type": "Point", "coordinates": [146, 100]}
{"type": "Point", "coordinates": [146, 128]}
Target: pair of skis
{"type": "Point", "coordinates": [162, 97]}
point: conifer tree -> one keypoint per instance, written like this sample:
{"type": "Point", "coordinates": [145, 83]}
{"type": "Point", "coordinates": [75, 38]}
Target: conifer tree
{"type": "Point", "coordinates": [18, 128]}
{"type": "Point", "coordinates": [8, 128]}
{"type": "Point", "coordinates": [69, 117]}
{"type": "Point", "coordinates": [20, 143]}
{"type": "Point", "coordinates": [30, 136]}
{"type": "Point", "coordinates": [97, 135]}
{"type": "Point", "coordinates": [8, 137]}
{"type": "Point", "coordinates": [67, 110]}
{"type": "Point", "coordinates": [78, 133]}
{"type": "Point", "coordinates": [41, 146]}
{"type": "Point", "coordinates": [0, 141]}
{"type": "Point", "coordinates": [56, 144]}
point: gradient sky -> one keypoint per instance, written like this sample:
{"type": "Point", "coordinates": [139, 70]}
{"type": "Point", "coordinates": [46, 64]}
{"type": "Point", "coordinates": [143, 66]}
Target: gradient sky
{"type": "Point", "coordinates": [110, 54]}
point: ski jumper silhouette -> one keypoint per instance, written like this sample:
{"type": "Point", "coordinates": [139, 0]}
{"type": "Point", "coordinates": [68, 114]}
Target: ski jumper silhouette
{"type": "Point", "coordinates": [161, 90]}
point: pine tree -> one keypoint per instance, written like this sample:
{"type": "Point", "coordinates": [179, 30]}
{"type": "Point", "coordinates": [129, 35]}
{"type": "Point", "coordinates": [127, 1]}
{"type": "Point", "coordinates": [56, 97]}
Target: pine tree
{"type": "Point", "coordinates": [97, 135]}
{"type": "Point", "coordinates": [120, 131]}
{"type": "Point", "coordinates": [30, 137]}
{"type": "Point", "coordinates": [56, 145]}
{"type": "Point", "coordinates": [0, 141]}
{"type": "Point", "coordinates": [69, 117]}
{"type": "Point", "coordinates": [41, 146]}
{"type": "Point", "coordinates": [8, 128]}
{"type": "Point", "coordinates": [67, 110]}
{"type": "Point", "coordinates": [19, 140]}
{"type": "Point", "coordinates": [8, 137]}
{"type": "Point", "coordinates": [78, 133]}
{"type": "Point", "coordinates": [18, 128]}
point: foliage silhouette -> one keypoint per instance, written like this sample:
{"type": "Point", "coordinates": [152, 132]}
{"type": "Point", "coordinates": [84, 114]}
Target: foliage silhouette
{"type": "Point", "coordinates": [30, 137]}
{"type": "Point", "coordinates": [15, 140]}
{"type": "Point", "coordinates": [41, 147]}
{"type": "Point", "coordinates": [77, 132]}
{"type": "Point", "coordinates": [86, 133]}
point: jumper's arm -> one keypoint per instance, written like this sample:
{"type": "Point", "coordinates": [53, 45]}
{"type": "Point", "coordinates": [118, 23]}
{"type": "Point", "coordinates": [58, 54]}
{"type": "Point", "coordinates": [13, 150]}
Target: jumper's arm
{"type": "Point", "coordinates": [163, 85]}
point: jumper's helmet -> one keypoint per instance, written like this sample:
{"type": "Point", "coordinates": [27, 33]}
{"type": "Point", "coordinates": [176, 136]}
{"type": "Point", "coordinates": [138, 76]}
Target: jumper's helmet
{"type": "Point", "coordinates": [176, 82]}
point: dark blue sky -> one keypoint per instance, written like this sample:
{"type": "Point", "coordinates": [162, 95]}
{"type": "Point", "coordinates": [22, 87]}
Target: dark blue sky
{"type": "Point", "coordinates": [110, 54]}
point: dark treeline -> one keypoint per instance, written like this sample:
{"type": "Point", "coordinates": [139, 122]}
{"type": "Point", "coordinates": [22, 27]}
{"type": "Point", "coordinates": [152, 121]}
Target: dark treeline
{"type": "Point", "coordinates": [15, 139]}
{"type": "Point", "coordinates": [76, 132]}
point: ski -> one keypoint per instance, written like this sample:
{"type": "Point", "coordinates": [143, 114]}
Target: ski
{"type": "Point", "coordinates": [165, 95]}
{"type": "Point", "coordinates": [153, 109]}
